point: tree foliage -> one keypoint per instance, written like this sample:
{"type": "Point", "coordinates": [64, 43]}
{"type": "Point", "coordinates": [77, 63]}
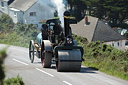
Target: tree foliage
{"type": "Point", "coordinates": [113, 11]}
{"type": "Point", "coordinates": [6, 23]}
{"type": "Point", "coordinates": [77, 8]}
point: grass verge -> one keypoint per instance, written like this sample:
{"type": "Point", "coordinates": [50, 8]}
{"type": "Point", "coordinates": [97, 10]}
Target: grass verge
{"type": "Point", "coordinates": [105, 58]}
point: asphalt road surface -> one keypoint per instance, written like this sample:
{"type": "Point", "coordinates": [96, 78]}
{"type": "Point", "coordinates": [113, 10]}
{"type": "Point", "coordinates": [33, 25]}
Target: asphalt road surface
{"type": "Point", "coordinates": [18, 63]}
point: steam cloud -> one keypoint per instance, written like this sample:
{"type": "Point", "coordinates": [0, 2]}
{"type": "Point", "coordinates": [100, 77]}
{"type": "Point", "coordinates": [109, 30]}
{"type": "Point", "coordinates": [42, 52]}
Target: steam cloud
{"type": "Point", "coordinates": [53, 5]}
{"type": "Point", "coordinates": [47, 8]}
{"type": "Point", "coordinates": [60, 8]}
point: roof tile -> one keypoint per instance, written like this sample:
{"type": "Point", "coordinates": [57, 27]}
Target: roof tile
{"type": "Point", "coordinates": [22, 5]}
{"type": "Point", "coordinates": [85, 31]}
{"type": "Point", "coordinates": [96, 31]}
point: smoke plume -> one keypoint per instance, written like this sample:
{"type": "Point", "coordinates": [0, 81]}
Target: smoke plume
{"type": "Point", "coordinates": [53, 5]}
{"type": "Point", "coordinates": [60, 9]}
{"type": "Point", "coordinates": [47, 8]}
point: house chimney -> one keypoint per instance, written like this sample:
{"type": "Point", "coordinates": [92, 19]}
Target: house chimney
{"type": "Point", "coordinates": [86, 20]}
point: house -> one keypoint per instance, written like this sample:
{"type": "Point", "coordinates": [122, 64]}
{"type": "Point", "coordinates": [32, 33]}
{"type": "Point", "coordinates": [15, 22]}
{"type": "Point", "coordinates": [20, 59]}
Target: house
{"type": "Point", "coordinates": [96, 30]}
{"type": "Point", "coordinates": [4, 6]}
{"type": "Point", "coordinates": [29, 11]}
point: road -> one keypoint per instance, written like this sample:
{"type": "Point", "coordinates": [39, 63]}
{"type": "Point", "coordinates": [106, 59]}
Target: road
{"type": "Point", "coordinates": [18, 63]}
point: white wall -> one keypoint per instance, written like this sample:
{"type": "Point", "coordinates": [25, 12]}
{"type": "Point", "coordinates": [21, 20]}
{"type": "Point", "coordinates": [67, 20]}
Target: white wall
{"type": "Point", "coordinates": [16, 15]}
{"type": "Point", "coordinates": [24, 17]}
{"type": "Point", "coordinates": [11, 14]}
{"type": "Point", "coordinates": [5, 8]}
{"type": "Point", "coordinates": [20, 15]}
{"type": "Point", "coordinates": [41, 13]}
{"type": "Point", "coordinates": [117, 44]}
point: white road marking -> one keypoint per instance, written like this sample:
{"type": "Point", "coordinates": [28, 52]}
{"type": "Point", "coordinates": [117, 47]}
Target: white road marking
{"type": "Point", "coordinates": [45, 72]}
{"type": "Point", "coordinates": [20, 62]}
{"type": "Point", "coordinates": [67, 83]}
{"type": "Point", "coordinates": [19, 50]}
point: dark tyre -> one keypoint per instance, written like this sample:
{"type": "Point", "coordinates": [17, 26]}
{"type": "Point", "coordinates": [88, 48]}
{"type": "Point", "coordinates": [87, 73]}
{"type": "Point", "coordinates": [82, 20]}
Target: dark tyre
{"type": "Point", "coordinates": [46, 60]}
{"type": "Point", "coordinates": [46, 57]}
{"type": "Point", "coordinates": [31, 51]}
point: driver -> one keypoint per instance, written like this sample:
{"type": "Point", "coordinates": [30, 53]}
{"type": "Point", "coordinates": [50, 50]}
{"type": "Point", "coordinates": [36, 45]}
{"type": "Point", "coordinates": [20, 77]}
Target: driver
{"type": "Point", "coordinates": [59, 32]}
{"type": "Point", "coordinates": [57, 29]}
{"type": "Point", "coordinates": [44, 32]}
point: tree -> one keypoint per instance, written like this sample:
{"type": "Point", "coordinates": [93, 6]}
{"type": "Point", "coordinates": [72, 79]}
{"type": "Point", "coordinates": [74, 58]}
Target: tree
{"type": "Point", "coordinates": [126, 34]}
{"type": "Point", "coordinates": [114, 11]}
{"type": "Point", "coordinates": [6, 23]}
{"type": "Point", "coordinates": [77, 8]}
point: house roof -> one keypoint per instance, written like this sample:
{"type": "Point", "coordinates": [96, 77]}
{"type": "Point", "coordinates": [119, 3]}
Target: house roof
{"type": "Point", "coordinates": [105, 33]}
{"type": "Point", "coordinates": [22, 5]}
{"type": "Point", "coordinates": [85, 31]}
{"type": "Point", "coordinates": [96, 30]}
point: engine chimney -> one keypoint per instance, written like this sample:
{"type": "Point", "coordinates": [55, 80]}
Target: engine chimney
{"type": "Point", "coordinates": [66, 22]}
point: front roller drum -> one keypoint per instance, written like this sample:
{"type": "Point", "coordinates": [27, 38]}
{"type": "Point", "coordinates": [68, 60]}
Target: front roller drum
{"type": "Point", "coordinates": [69, 60]}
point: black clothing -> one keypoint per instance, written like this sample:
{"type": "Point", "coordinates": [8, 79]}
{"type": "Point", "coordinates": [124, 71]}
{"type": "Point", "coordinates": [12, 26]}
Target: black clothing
{"type": "Point", "coordinates": [44, 32]}
{"type": "Point", "coordinates": [57, 29]}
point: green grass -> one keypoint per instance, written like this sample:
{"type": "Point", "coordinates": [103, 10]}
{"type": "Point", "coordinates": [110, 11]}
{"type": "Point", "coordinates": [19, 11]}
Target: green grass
{"type": "Point", "coordinates": [105, 58]}
{"type": "Point", "coordinates": [19, 37]}
{"type": "Point", "coordinates": [16, 34]}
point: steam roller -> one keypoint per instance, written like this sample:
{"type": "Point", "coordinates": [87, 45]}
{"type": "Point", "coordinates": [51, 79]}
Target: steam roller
{"type": "Point", "coordinates": [59, 46]}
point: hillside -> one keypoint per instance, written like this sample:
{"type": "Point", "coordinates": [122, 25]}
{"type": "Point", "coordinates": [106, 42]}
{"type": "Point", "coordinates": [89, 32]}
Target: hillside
{"type": "Point", "coordinates": [104, 58]}
{"type": "Point", "coordinates": [16, 34]}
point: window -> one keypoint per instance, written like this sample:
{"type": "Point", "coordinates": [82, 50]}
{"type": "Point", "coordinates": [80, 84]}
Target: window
{"type": "Point", "coordinates": [126, 43]}
{"type": "Point", "coordinates": [32, 13]}
{"type": "Point", "coordinates": [15, 14]}
{"type": "Point", "coordinates": [2, 4]}
{"type": "Point", "coordinates": [112, 44]}
{"type": "Point", "coordinates": [118, 43]}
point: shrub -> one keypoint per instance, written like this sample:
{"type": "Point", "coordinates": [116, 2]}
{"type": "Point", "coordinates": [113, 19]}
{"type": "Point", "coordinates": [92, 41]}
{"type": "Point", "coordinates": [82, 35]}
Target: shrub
{"type": "Point", "coordinates": [106, 58]}
{"type": "Point", "coordinates": [2, 57]}
{"type": "Point", "coordinates": [6, 23]}
{"type": "Point", "coordinates": [14, 81]}
{"type": "Point", "coordinates": [10, 81]}
{"type": "Point", "coordinates": [20, 36]}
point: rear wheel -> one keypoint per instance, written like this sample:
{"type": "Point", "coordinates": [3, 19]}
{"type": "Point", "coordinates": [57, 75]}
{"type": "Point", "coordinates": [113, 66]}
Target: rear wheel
{"type": "Point", "coordinates": [31, 51]}
{"type": "Point", "coordinates": [46, 57]}
{"type": "Point", "coordinates": [46, 60]}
